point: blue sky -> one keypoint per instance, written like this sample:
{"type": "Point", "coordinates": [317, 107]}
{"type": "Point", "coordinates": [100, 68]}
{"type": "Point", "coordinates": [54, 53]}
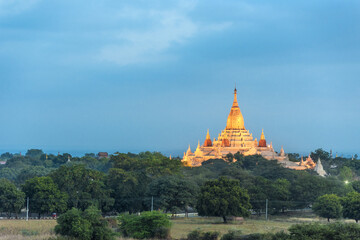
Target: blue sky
{"type": "Point", "coordinates": [88, 76]}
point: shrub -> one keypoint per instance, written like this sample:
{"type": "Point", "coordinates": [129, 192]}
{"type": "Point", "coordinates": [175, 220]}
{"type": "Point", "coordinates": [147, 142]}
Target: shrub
{"type": "Point", "coordinates": [147, 225]}
{"type": "Point", "coordinates": [343, 231]}
{"type": "Point", "coordinates": [232, 235]}
{"type": "Point", "coordinates": [87, 225]}
{"type": "Point", "coordinates": [199, 235]}
{"type": "Point", "coordinates": [236, 235]}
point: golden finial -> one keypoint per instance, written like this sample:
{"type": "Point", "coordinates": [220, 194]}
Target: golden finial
{"type": "Point", "coordinates": [262, 135]}
{"type": "Point", "coordinates": [207, 134]}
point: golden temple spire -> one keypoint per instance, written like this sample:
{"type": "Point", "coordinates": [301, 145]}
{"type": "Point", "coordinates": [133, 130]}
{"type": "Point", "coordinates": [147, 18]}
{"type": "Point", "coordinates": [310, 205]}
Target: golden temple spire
{"type": "Point", "coordinates": [235, 119]}
{"type": "Point", "coordinates": [198, 152]}
{"type": "Point", "coordinates": [207, 134]}
{"type": "Point", "coordinates": [208, 142]}
{"type": "Point", "coordinates": [188, 151]}
{"type": "Point", "coordinates": [262, 135]}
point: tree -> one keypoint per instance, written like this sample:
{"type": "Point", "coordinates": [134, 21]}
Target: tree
{"type": "Point", "coordinates": [127, 189]}
{"type": "Point", "coordinates": [131, 174]}
{"type": "Point", "coordinates": [31, 172]}
{"type": "Point", "coordinates": [328, 206]}
{"type": "Point", "coordinates": [85, 187]}
{"type": "Point", "coordinates": [280, 194]}
{"type": "Point", "coordinates": [294, 157]}
{"type": "Point", "coordinates": [11, 198]}
{"type": "Point", "coordinates": [356, 186]}
{"type": "Point", "coordinates": [346, 174]}
{"type": "Point", "coordinates": [229, 157]}
{"type": "Point", "coordinates": [320, 153]}
{"type": "Point", "coordinates": [173, 193]}
{"type": "Point", "coordinates": [35, 153]}
{"type": "Point", "coordinates": [45, 197]}
{"type": "Point", "coordinates": [223, 197]}
{"type": "Point", "coordinates": [9, 173]}
{"type": "Point", "coordinates": [6, 156]}
{"type": "Point", "coordinates": [351, 206]}
{"type": "Point", "coordinates": [149, 225]}
{"type": "Point", "coordinates": [90, 155]}
{"type": "Point", "coordinates": [87, 225]}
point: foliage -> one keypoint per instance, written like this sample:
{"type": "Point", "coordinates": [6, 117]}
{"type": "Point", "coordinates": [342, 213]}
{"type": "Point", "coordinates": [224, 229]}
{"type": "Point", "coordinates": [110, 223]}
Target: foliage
{"type": "Point", "coordinates": [87, 225]}
{"type": "Point", "coordinates": [223, 197]}
{"type": "Point", "coordinates": [147, 225]}
{"type": "Point", "coordinates": [328, 206]}
{"type": "Point", "coordinates": [31, 172]}
{"type": "Point", "coordinates": [346, 174]}
{"type": "Point", "coordinates": [85, 187]}
{"type": "Point", "coordinates": [280, 194]}
{"type": "Point", "coordinates": [351, 206]}
{"type": "Point", "coordinates": [173, 193]}
{"type": "Point", "coordinates": [200, 235]}
{"type": "Point", "coordinates": [343, 231]}
{"type": "Point", "coordinates": [294, 157]}
{"type": "Point", "coordinates": [356, 186]}
{"type": "Point", "coordinates": [320, 153]}
{"type": "Point", "coordinates": [34, 153]}
{"type": "Point", "coordinates": [11, 198]}
{"type": "Point", "coordinates": [232, 235]}
{"type": "Point", "coordinates": [9, 173]}
{"type": "Point", "coordinates": [131, 174]}
{"type": "Point", "coordinates": [45, 197]}
{"type": "Point", "coordinates": [6, 156]}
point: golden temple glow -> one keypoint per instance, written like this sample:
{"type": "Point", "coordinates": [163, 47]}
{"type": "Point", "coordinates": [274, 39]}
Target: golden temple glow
{"type": "Point", "coordinates": [235, 119]}
{"type": "Point", "coordinates": [236, 138]}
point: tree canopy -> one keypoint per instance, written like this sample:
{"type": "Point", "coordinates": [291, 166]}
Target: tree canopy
{"type": "Point", "coordinates": [223, 197]}
{"type": "Point", "coordinates": [328, 206]}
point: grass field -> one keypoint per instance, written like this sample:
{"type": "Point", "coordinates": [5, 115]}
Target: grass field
{"type": "Point", "coordinates": [43, 229]}
{"type": "Point", "coordinates": [21, 229]}
{"type": "Point", "coordinates": [181, 227]}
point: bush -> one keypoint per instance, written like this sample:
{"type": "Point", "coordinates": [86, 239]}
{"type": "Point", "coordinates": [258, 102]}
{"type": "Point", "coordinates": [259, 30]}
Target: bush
{"type": "Point", "coordinates": [343, 231]}
{"type": "Point", "coordinates": [236, 235]}
{"type": "Point", "coordinates": [87, 225]}
{"type": "Point", "coordinates": [199, 235]}
{"type": "Point", "coordinates": [147, 225]}
{"type": "Point", "coordinates": [232, 235]}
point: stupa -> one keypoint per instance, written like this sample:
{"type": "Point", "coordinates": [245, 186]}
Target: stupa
{"type": "Point", "coordinates": [319, 168]}
{"type": "Point", "coordinates": [234, 138]}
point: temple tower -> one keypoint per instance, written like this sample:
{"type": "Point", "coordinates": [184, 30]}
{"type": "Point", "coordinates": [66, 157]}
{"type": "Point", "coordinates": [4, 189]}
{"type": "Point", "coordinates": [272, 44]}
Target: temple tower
{"type": "Point", "coordinates": [208, 142]}
{"type": "Point", "coordinates": [262, 142]}
{"type": "Point", "coordinates": [235, 119]}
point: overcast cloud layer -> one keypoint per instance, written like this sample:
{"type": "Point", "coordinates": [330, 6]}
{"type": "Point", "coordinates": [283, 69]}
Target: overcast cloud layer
{"type": "Point", "coordinates": [155, 75]}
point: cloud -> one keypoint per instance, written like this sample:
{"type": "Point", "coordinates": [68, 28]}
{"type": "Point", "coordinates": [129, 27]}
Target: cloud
{"type": "Point", "coordinates": [137, 46]}
{"type": "Point", "coordinates": [166, 28]}
{"type": "Point", "coordinates": [13, 7]}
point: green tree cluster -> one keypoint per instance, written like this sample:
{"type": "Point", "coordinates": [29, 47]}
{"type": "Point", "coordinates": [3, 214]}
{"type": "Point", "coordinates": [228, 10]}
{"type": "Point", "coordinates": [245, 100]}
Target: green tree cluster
{"type": "Point", "coordinates": [44, 195]}
{"type": "Point", "coordinates": [11, 198]}
{"type": "Point", "coordinates": [222, 198]}
{"type": "Point", "coordinates": [150, 225]}
{"type": "Point", "coordinates": [84, 225]}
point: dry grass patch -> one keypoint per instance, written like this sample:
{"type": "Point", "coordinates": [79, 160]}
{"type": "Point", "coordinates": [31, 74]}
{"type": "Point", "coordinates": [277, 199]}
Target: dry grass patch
{"type": "Point", "coordinates": [181, 227]}
{"type": "Point", "coordinates": [21, 229]}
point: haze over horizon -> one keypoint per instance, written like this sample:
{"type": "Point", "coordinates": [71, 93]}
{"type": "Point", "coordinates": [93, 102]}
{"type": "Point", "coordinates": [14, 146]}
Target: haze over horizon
{"type": "Point", "coordinates": [90, 76]}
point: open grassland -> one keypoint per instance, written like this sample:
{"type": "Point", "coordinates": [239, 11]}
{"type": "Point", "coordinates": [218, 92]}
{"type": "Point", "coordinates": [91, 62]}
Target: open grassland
{"type": "Point", "coordinates": [21, 229]}
{"type": "Point", "coordinates": [181, 227]}
{"type": "Point", "coordinates": [44, 229]}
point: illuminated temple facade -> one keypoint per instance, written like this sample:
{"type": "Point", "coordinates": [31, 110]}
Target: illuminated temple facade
{"type": "Point", "coordinates": [236, 138]}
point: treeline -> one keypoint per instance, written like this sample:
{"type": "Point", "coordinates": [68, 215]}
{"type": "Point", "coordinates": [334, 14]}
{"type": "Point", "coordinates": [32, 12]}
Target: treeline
{"type": "Point", "coordinates": [138, 182]}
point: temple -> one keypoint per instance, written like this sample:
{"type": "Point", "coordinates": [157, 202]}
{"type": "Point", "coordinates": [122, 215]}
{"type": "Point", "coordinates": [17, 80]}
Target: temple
{"type": "Point", "coordinates": [236, 138]}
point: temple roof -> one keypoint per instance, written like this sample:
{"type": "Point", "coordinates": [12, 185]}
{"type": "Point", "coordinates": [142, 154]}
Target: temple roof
{"type": "Point", "coordinates": [235, 119]}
